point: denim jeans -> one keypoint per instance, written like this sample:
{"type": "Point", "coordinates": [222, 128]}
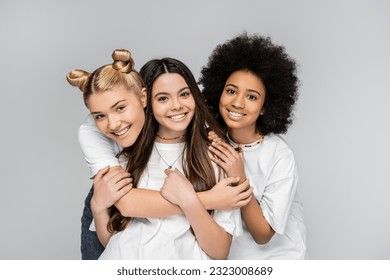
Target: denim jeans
{"type": "Point", "coordinates": [91, 248]}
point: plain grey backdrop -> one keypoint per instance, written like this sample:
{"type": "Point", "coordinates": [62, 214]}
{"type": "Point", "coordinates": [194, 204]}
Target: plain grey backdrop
{"type": "Point", "coordinates": [340, 136]}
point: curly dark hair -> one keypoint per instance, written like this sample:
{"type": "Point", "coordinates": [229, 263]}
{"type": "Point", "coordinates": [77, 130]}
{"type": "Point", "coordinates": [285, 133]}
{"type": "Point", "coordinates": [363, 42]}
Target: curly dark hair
{"type": "Point", "coordinates": [270, 63]}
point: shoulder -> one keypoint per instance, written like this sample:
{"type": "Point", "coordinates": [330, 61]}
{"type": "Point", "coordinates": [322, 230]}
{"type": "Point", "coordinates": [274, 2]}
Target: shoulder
{"type": "Point", "coordinates": [279, 152]}
{"type": "Point", "coordinates": [278, 144]}
{"type": "Point", "coordinates": [92, 138]}
{"type": "Point", "coordinates": [88, 125]}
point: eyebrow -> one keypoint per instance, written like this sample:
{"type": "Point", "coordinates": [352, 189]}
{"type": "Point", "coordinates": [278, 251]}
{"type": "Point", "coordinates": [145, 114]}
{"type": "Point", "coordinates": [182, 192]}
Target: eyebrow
{"type": "Point", "coordinates": [94, 113]}
{"type": "Point", "coordinates": [179, 91]}
{"type": "Point", "coordinates": [248, 90]}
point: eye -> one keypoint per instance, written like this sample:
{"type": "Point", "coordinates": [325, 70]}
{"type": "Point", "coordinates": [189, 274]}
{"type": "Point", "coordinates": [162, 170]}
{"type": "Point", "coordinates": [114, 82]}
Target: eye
{"type": "Point", "coordinates": [185, 94]}
{"type": "Point", "coordinates": [162, 99]}
{"type": "Point", "coordinates": [120, 108]}
{"type": "Point", "coordinates": [99, 117]}
{"type": "Point", "coordinates": [252, 97]}
{"type": "Point", "coordinates": [230, 91]}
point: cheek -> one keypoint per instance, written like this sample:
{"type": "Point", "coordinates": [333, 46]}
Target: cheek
{"type": "Point", "coordinates": [101, 126]}
{"type": "Point", "coordinates": [192, 104]}
{"type": "Point", "coordinates": [141, 118]}
{"type": "Point", "coordinates": [223, 101]}
{"type": "Point", "coordinates": [221, 106]}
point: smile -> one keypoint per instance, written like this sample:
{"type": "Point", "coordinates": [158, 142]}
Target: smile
{"type": "Point", "coordinates": [121, 132]}
{"type": "Point", "coordinates": [235, 114]}
{"type": "Point", "coordinates": [178, 117]}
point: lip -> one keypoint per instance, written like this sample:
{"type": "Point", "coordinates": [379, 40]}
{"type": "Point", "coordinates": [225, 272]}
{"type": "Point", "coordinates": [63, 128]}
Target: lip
{"type": "Point", "coordinates": [122, 131]}
{"type": "Point", "coordinates": [177, 117]}
{"type": "Point", "coordinates": [235, 115]}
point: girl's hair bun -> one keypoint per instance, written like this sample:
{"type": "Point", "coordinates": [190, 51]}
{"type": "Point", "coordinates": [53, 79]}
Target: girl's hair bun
{"type": "Point", "coordinates": [78, 78]}
{"type": "Point", "coordinates": [122, 61]}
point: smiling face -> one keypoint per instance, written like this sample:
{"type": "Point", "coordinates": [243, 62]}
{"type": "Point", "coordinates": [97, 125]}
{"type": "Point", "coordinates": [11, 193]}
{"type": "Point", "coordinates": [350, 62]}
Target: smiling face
{"type": "Point", "coordinates": [119, 114]}
{"type": "Point", "coordinates": [241, 103]}
{"type": "Point", "coordinates": [173, 105]}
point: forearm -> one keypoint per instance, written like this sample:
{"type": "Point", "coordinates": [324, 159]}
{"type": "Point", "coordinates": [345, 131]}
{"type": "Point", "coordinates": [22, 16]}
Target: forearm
{"type": "Point", "coordinates": [143, 203]}
{"type": "Point", "coordinates": [256, 223]}
{"type": "Point", "coordinates": [101, 220]}
{"type": "Point", "coordinates": [207, 199]}
{"type": "Point", "coordinates": [212, 238]}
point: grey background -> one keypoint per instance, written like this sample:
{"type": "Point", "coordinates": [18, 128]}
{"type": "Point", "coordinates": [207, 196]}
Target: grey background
{"type": "Point", "coordinates": [340, 135]}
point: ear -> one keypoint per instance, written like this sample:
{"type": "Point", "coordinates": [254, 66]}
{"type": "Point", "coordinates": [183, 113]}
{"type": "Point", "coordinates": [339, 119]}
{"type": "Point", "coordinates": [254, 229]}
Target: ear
{"type": "Point", "coordinates": [144, 97]}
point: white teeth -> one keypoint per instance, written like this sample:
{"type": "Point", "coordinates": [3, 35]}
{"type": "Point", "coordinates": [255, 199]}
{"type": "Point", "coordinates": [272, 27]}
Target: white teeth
{"type": "Point", "coordinates": [121, 132]}
{"type": "Point", "coordinates": [177, 117]}
{"type": "Point", "coordinates": [235, 114]}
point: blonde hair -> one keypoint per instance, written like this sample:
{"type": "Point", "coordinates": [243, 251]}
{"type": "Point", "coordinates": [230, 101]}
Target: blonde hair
{"type": "Point", "coordinates": [120, 73]}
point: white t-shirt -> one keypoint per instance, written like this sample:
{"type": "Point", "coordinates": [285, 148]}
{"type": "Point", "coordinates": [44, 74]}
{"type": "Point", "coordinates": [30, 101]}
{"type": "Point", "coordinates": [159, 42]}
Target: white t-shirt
{"type": "Point", "coordinates": [164, 238]}
{"type": "Point", "coordinates": [99, 150]}
{"type": "Point", "coordinates": [272, 171]}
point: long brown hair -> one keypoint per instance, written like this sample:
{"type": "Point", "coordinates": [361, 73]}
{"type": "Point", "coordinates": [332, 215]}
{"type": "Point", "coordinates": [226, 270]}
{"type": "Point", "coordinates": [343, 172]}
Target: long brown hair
{"type": "Point", "coordinates": [197, 165]}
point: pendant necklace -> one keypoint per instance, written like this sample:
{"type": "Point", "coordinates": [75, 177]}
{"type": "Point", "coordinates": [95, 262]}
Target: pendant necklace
{"type": "Point", "coordinates": [169, 165]}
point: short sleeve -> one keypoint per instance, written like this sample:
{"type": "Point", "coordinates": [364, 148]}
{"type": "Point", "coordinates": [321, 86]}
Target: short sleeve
{"type": "Point", "coordinates": [98, 150]}
{"type": "Point", "coordinates": [279, 192]}
{"type": "Point", "coordinates": [230, 220]}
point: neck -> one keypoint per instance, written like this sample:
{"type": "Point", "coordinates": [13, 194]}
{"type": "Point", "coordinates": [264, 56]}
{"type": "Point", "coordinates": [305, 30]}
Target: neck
{"type": "Point", "coordinates": [243, 136]}
{"type": "Point", "coordinates": [173, 138]}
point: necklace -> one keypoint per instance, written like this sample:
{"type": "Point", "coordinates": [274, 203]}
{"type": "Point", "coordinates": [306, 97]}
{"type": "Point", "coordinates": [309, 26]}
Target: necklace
{"type": "Point", "coordinates": [169, 165]}
{"type": "Point", "coordinates": [165, 138]}
{"type": "Point", "coordinates": [255, 143]}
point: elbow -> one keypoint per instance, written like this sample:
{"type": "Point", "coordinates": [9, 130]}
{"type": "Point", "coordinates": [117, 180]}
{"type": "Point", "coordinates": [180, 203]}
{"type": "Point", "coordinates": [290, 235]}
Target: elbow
{"type": "Point", "coordinates": [220, 256]}
{"type": "Point", "coordinates": [223, 251]}
{"type": "Point", "coordinates": [263, 239]}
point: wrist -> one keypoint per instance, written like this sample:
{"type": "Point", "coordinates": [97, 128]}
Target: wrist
{"type": "Point", "coordinates": [206, 198]}
{"type": "Point", "coordinates": [95, 209]}
{"type": "Point", "coordinates": [190, 202]}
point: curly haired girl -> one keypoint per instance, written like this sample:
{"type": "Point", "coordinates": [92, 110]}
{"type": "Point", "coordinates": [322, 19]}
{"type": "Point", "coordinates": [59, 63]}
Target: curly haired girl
{"type": "Point", "coordinates": [251, 86]}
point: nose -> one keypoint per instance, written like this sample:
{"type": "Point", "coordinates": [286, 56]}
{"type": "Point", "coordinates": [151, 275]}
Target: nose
{"type": "Point", "coordinates": [113, 122]}
{"type": "Point", "coordinates": [176, 104]}
{"type": "Point", "coordinates": [238, 101]}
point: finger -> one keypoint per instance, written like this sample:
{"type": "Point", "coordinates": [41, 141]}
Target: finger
{"type": "Point", "coordinates": [124, 190]}
{"type": "Point", "coordinates": [224, 148]}
{"type": "Point", "coordinates": [222, 155]}
{"type": "Point", "coordinates": [168, 171]}
{"type": "Point", "coordinates": [119, 194]}
{"type": "Point", "coordinates": [243, 186]}
{"type": "Point", "coordinates": [231, 180]}
{"type": "Point", "coordinates": [244, 202]}
{"type": "Point", "coordinates": [212, 135]}
{"type": "Point", "coordinates": [118, 176]}
{"type": "Point", "coordinates": [111, 173]}
{"type": "Point", "coordinates": [229, 148]}
{"type": "Point", "coordinates": [218, 161]}
{"type": "Point", "coordinates": [177, 171]}
{"type": "Point", "coordinates": [102, 172]}
{"type": "Point", "coordinates": [245, 194]}
{"type": "Point", "coordinates": [122, 183]}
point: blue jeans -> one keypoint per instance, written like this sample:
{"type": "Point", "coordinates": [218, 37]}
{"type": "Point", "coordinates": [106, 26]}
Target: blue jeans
{"type": "Point", "coordinates": [91, 248]}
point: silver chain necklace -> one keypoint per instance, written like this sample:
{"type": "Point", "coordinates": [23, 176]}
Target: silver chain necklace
{"type": "Point", "coordinates": [169, 165]}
